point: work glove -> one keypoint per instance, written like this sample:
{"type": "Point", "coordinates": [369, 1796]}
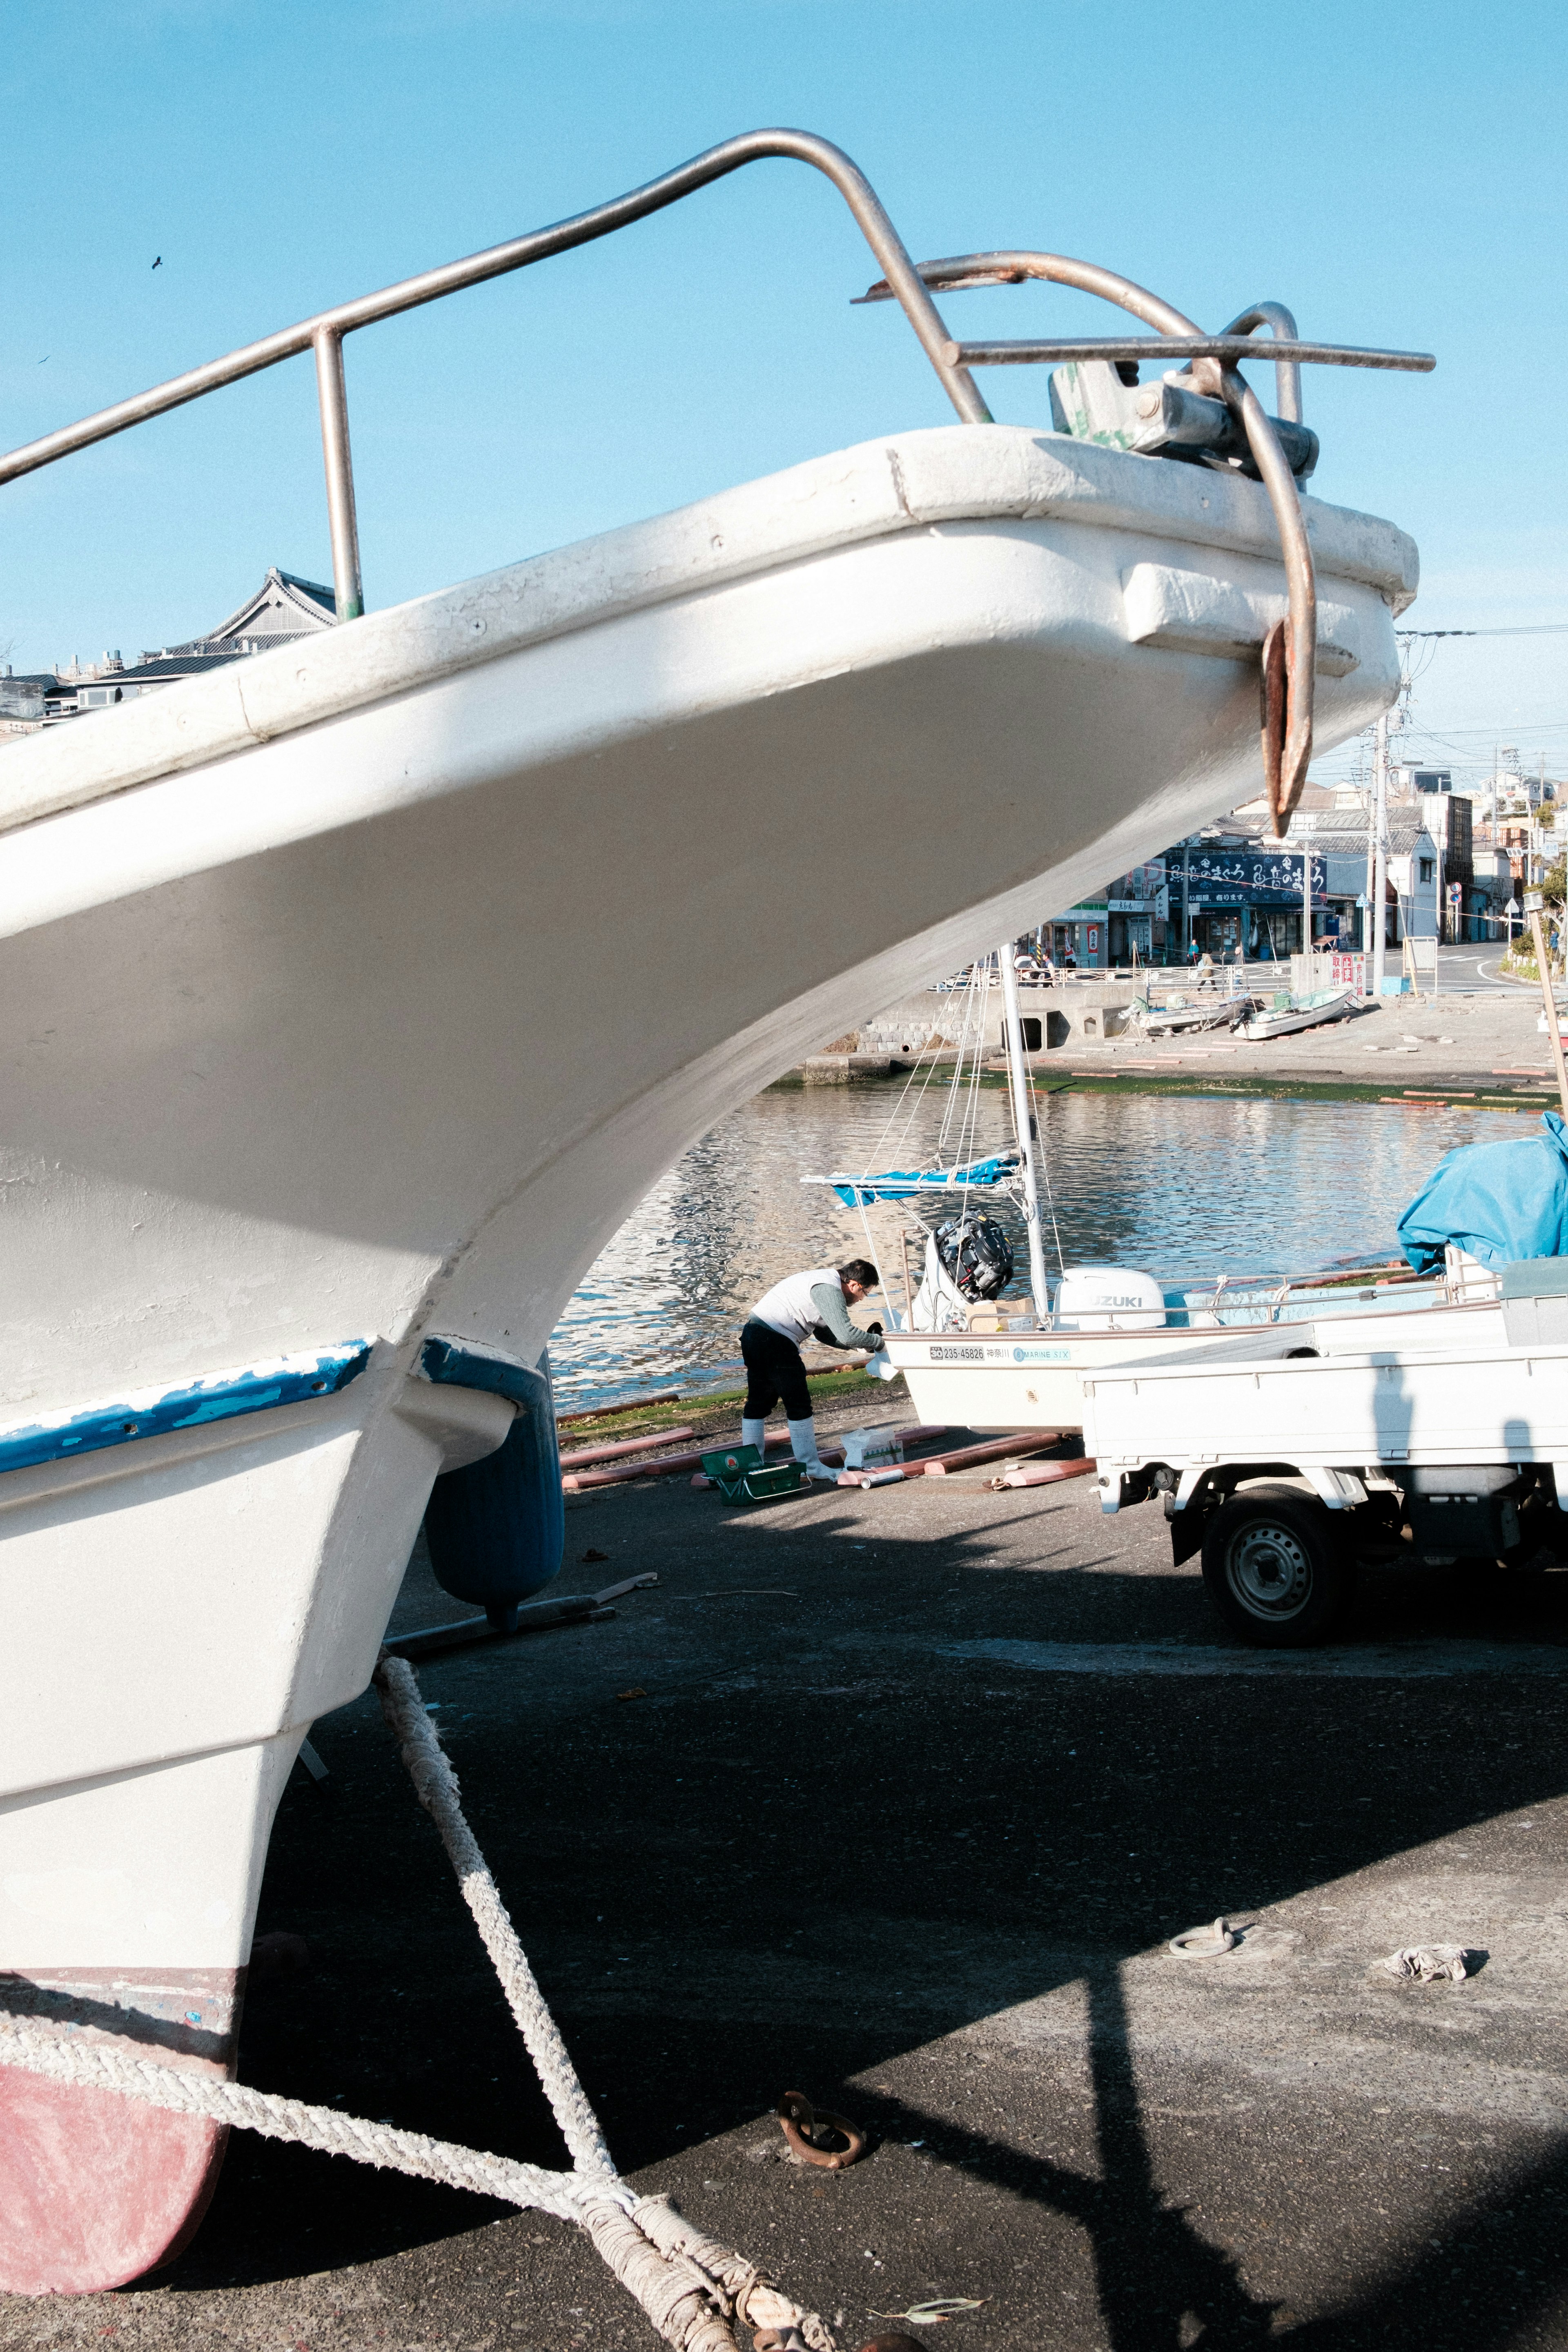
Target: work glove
{"type": "Point", "coordinates": [874, 1333]}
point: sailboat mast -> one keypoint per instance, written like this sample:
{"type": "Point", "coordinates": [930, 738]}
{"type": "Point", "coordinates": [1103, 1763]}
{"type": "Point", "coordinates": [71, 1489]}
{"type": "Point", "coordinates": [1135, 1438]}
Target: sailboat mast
{"type": "Point", "coordinates": [1023, 1126]}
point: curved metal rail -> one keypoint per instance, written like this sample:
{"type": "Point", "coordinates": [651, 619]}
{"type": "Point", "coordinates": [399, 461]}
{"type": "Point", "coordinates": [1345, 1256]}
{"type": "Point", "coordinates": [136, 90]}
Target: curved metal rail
{"type": "Point", "coordinates": [324, 333]}
{"type": "Point", "coordinates": [1290, 654]}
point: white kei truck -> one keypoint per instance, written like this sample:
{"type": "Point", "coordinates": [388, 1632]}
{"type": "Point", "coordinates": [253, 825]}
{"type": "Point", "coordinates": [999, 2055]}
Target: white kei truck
{"type": "Point", "coordinates": [1287, 1474]}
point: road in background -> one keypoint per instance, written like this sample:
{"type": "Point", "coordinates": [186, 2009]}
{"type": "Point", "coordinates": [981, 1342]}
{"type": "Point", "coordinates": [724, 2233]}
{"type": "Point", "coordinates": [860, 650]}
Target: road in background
{"type": "Point", "coordinates": [1471, 968]}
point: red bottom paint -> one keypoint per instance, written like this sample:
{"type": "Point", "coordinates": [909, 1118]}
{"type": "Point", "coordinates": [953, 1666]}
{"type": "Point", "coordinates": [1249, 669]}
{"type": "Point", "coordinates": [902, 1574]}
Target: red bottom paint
{"type": "Point", "coordinates": [95, 2189]}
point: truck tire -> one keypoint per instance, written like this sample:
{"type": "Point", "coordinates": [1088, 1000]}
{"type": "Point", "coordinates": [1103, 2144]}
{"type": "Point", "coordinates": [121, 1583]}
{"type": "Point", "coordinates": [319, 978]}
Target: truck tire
{"type": "Point", "coordinates": [1276, 1568]}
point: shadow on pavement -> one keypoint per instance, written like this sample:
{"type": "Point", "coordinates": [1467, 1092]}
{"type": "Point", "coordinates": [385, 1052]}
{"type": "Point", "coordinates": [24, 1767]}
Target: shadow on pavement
{"type": "Point", "coordinates": [817, 1843]}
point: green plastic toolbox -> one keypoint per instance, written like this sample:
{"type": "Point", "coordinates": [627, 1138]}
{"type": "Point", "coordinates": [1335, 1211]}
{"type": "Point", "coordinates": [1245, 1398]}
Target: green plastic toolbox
{"type": "Point", "coordinates": [741, 1476]}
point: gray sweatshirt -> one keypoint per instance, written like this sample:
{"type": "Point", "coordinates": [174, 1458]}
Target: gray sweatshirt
{"type": "Point", "coordinates": [828, 1299]}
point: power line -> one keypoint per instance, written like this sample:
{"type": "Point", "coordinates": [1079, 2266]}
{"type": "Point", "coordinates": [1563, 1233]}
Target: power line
{"type": "Point", "coordinates": [1535, 629]}
{"type": "Point", "coordinates": [1497, 733]}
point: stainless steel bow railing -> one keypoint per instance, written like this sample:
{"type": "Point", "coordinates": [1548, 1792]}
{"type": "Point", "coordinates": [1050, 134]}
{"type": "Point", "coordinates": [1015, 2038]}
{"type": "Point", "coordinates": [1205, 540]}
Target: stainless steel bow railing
{"type": "Point", "coordinates": [324, 333]}
{"type": "Point", "coordinates": [1289, 653]}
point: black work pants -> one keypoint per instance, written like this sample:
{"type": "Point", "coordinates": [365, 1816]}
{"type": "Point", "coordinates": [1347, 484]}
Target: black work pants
{"type": "Point", "coordinates": [775, 1369]}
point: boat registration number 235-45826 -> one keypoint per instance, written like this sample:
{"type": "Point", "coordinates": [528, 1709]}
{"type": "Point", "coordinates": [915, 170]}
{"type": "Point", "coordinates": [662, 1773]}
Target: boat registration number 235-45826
{"type": "Point", "coordinates": [941, 1355]}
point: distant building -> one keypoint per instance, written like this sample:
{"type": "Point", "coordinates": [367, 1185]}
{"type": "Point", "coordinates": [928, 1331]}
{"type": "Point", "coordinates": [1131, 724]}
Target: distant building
{"type": "Point", "coordinates": [1233, 891]}
{"type": "Point", "coordinates": [23, 707]}
{"type": "Point", "coordinates": [1510, 791]}
{"type": "Point", "coordinates": [283, 609]}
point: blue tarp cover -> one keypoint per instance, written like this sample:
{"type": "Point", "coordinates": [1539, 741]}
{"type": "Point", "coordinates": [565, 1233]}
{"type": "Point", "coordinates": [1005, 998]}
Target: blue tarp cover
{"type": "Point", "coordinates": [1501, 1202]}
{"type": "Point", "coordinates": [900, 1183]}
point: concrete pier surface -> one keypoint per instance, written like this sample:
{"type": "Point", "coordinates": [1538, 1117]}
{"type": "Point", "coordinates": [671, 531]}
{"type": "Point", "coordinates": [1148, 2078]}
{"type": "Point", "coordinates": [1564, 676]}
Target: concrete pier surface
{"type": "Point", "coordinates": [895, 1798]}
{"type": "Point", "coordinates": [1488, 1042]}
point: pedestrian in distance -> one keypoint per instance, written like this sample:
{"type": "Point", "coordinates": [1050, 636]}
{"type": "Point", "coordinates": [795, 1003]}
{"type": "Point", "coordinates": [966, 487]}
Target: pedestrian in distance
{"type": "Point", "coordinates": [814, 1305]}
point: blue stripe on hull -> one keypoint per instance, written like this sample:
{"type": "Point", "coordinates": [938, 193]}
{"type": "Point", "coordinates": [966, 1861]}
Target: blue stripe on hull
{"type": "Point", "coordinates": [220, 1396]}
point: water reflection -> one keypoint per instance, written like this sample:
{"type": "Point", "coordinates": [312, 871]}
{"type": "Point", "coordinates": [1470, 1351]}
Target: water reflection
{"type": "Point", "coordinates": [1178, 1184]}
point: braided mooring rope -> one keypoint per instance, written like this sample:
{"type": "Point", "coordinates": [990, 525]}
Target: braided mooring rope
{"type": "Point", "coordinates": [690, 2286]}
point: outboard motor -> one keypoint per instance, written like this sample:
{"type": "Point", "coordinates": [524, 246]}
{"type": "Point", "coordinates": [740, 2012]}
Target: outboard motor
{"type": "Point", "coordinates": [975, 1254]}
{"type": "Point", "coordinates": [1109, 1298]}
{"type": "Point", "coordinates": [497, 1530]}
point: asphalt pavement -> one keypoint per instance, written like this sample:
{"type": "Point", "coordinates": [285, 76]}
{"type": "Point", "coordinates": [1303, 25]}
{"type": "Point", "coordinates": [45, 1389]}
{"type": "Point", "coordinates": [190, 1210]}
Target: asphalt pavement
{"type": "Point", "coordinates": [1472, 969]}
{"type": "Point", "coordinates": [895, 1798]}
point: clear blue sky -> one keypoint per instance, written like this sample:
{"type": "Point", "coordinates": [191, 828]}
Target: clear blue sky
{"type": "Point", "coordinates": [1393, 172]}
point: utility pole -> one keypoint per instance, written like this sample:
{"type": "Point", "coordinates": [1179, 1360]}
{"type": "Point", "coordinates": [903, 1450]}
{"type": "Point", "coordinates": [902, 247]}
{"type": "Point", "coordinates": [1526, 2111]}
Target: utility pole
{"type": "Point", "coordinates": [1534, 904]}
{"type": "Point", "coordinates": [1380, 861]}
{"type": "Point", "coordinates": [1306, 899]}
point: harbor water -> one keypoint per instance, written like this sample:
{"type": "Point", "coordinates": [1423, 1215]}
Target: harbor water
{"type": "Point", "coordinates": [1180, 1185]}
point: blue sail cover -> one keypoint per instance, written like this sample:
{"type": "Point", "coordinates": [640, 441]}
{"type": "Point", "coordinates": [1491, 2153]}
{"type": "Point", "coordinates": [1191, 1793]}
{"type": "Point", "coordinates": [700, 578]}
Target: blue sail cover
{"type": "Point", "coordinates": [1501, 1202]}
{"type": "Point", "coordinates": [901, 1183]}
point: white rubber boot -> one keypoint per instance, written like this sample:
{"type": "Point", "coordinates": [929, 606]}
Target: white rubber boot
{"type": "Point", "coordinates": [803, 1440]}
{"type": "Point", "coordinates": [755, 1432]}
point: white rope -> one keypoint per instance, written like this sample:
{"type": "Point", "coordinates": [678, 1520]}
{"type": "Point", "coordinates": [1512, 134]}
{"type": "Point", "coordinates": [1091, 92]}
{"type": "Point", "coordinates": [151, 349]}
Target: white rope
{"type": "Point", "coordinates": [102, 2066]}
{"type": "Point", "coordinates": [436, 1783]}
{"type": "Point", "coordinates": [690, 2286]}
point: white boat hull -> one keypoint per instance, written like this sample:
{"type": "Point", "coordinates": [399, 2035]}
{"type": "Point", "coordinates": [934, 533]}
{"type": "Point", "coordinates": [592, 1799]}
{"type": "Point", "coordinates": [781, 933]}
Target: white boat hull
{"type": "Point", "coordinates": [1032, 1380]}
{"type": "Point", "coordinates": [358, 991]}
{"type": "Point", "coordinates": [1313, 1016]}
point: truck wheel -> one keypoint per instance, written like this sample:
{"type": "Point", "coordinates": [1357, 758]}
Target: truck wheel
{"type": "Point", "coordinates": [1276, 1569]}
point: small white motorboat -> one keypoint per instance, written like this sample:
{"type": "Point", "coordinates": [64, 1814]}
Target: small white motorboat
{"type": "Point", "coordinates": [1025, 1371]}
{"type": "Point", "coordinates": [1181, 1015]}
{"type": "Point", "coordinates": [320, 1096]}
{"type": "Point", "coordinates": [1289, 1014]}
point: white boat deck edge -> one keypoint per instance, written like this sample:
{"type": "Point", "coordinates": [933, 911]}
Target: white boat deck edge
{"type": "Point", "coordinates": [908, 481]}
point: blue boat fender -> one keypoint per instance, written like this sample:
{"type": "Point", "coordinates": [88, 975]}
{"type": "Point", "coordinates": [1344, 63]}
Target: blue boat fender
{"type": "Point", "coordinates": [497, 1530]}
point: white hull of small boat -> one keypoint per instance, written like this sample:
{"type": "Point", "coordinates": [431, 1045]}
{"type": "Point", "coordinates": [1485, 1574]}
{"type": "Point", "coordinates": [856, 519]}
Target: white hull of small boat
{"type": "Point", "coordinates": [1330, 1007]}
{"type": "Point", "coordinates": [1180, 1020]}
{"type": "Point", "coordinates": [1033, 1379]}
{"type": "Point", "coordinates": [357, 993]}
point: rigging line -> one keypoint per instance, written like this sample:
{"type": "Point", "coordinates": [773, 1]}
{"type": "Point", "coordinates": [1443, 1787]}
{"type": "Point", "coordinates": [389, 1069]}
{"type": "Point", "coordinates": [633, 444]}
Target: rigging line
{"type": "Point", "coordinates": [926, 1081]}
{"type": "Point", "coordinates": [954, 1108]}
{"type": "Point", "coordinates": [979, 985]}
{"type": "Point", "coordinates": [1043, 1163]}
{"type": "Point", "coordinates": [956, 1077]}
{"type": "Point", "coordinates": [919, 1081]}
{"type": "Point", "coordinates": [971, 1131]}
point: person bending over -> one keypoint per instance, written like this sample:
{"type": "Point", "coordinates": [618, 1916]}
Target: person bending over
{"type": "Point", "coordinates": [814, 1305]}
